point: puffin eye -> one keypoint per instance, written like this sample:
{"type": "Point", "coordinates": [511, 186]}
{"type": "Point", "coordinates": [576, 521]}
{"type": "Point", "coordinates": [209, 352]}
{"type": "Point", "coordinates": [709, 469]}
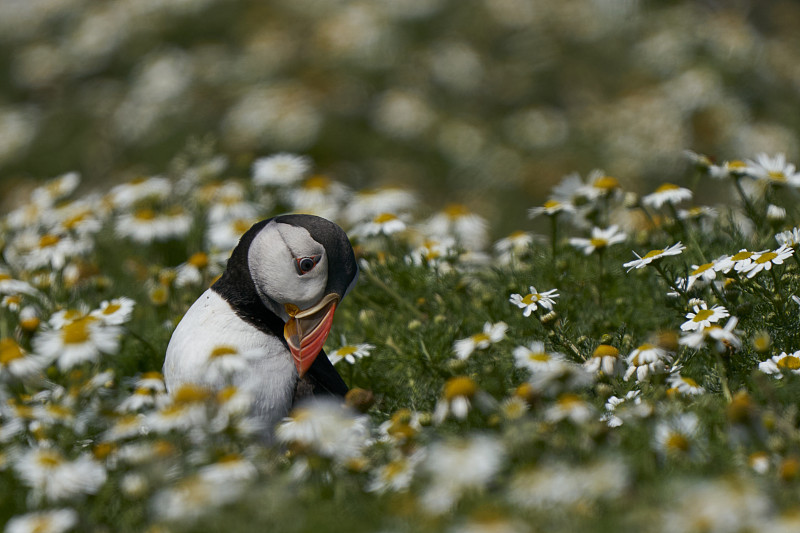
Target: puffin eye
{"type": "Point", "coordinates": [306, 264]}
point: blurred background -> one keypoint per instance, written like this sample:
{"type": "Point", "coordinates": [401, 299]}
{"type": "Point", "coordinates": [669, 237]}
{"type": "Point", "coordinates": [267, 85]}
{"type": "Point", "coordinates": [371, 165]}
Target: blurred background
{"type": "Point", "coordinates": [482, 102]}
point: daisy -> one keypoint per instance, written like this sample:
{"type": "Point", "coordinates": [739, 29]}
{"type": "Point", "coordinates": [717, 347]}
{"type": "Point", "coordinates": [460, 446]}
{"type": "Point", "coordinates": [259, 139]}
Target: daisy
{"type": "Point", "coordinates": [458, 222]}
{"type": "Point", "coordinates": [600, 240]}
{"type": "Point", "coordinates": [459, 392]}
{"type": "Point", "coordinates": [677, 436]}
{"type": "Point", "coordinates": [225, 235]}
{"type": "Point", "coordinates": [396, 475]}
{"type": "Point", "coordinates": [326, 428]}
{"type": "Point", "coordinates": [370, 203]}
{"type": "Point", "coordinates": [192, 497]}
{"type": "Point", "coordinates": [17, 362]}
{"type": "Point", "coordinates": [652, 255]}
{"type": "Point", "coordinates": [570, 406]}
{"type": "Point", "coordinates": [492, 333]}
{"type": "Point", "coordinates": [702, 317]}
{"type": "Point", "coordinates": [617, 409]}
{"type": "Point", "coordinates": [78, 341]}
{"type": "Point", "coordinates": [646, 360]}
{"type": "Point", "coordinates": [738, 261]}
{"type": "Point", "coordinates": [775, 213]}
{"type": "Point", "coordinates": [605, 359]}
{"type": "Point", "coordinates": [533, 300]}
{"type": "Point", "coordinates": [403, 426]}
{"type": "Point", "coordinates": [280, 169]}
{"type": "Point", "coordinates": [534, 357]}
{"type": "Point", "coordinates": [56, 189]}
{"type": "Point", "coordinates": [115, 312]}
{"type": "Point", "coordinates": [350, 353]}
{"type": "Point", "coordinates": [773, 169]}
{"type": "Point", "coordinates": [513, 245]}
{"type": "Point", "coordinates": [457, 466]}
{"type": "Point", "coordinates": [765, 260]}
{"type": "Point", "coordinates": [778, 364]}
{"type": "Point", "coordinates": [381, 224]}
{"type": "Point", "coordinates": [726, 338]}
{"type": "Point", "coordinates": [432, 252]}
{"type": "Point", "coordinates": [11, 286]}
{"type": "Point", "coordinates": [703, 273]}
{"type": "Point", "coordinates": [151, 188]}
{"type": "Point", "coordinates": [50, 521]}
{"type": "Point", "coordinates": [684, 385]}
{"type": "Point", "coordinates": [31, 250]}
{"type": "Point", "coordinates": [551, 208]}
{"type": "Point", "coordinates": [229, 468]}
{"type": "Point", "coordinates": [789, 237]}
{"type": "Point", "coordinates": [666, 193]}
{"type": "Point", "coordinates": [319, 195]}
{"type": "Point", "coordinates": [53, 477]}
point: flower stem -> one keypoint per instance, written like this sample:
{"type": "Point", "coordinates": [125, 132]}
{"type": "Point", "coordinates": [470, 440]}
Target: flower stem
{"type": "Point", "coordinates": [723, 378]}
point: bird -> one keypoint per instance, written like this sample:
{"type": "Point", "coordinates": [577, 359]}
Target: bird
{"type": "Point", "coordinates": [275, 302]}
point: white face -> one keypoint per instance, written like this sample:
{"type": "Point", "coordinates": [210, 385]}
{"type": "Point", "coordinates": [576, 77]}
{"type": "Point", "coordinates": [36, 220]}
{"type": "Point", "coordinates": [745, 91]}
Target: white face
{"type": "Point", "coordinates": [276, 261]}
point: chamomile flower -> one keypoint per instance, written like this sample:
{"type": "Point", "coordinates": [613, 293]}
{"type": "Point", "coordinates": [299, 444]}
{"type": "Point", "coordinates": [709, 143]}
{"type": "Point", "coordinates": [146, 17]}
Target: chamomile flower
{"type": "Point", "coordinates": [677, 436]}
{"type": "Point", "coordinates": [605, 359]}
{"type": "Point", "coordinates": [325, 428]}
{"type": "Point", "coordinates": [789, 237]}
{"type": "Point", "coordinates": [492, 333]}
{"type": "Point", "coordinates": [31, 250]}
{"type": "Point", "coordinates": [551, 208]}
{"type": "Point", "coordinates": [192, 497]}
{"type": "Point", "coordinates": [783, 362]}
{"type": "Point", "coordinates": [50, 521]}
{"type": "Point", "coordinates": [78, 341]}
{"type": "Point", "coordinates": [369, 204]}
{"type": "Point", "coordinates": [773, 170]}
{"type": "Point", "coordinates": [224, 361]}
{"type": "Point", "coordinates": [534, 299]}
{"type": "Point", "coordinates": [653, 255]}
{"type": "Point", "coordinates": [514, 245]}
{"type": "Point", "coordinates": [381, 224]}
{"type": "Point", "coordinates": [350, 353]}
{"type": "Point", "coordinates": [115, 312]}
{"type": "Point", "coordinates": [684, 385]}
{"type": "Point", "coordinates": [534, 357]}
{"type": "Point", "coordinates": [569, 406]}
{"type": "Point", "coordinates": [703, 273]}
{"type": "Point", "coordinates": [458, 222]}
{"type": "Point", "coordinates": [280, 170]}
{"type": "Point", "coordinates": [666, 193]}
{"type": "Point", "coordinates": [765, 260]}
{"type": "Point", "coordinates": [224, 235]}
{"type": "Point", "coordinates": [458, 397]}
{"type": "Point", "coordinates": [319, 195]}
{"type": "Point", "coordinates": [53, 477]}
{"type": "Point", "coordinates": [702, 317]}
{"type": "Point", "coordinates": [725, 338]}
{"type": "Point", "coordinates": [432, 252]}
{"type": "Point", "coordinates": [738, 262]}
{"type": "Point", "coordinates": [191, 271]}
{"type": "Point", "coordinates": [144, 225]}
{"type": "Point", "coordinates": [126, 195]}
{"type": "Point", "coordinates": [775, 213]}
{"type": "Point", "coordinates": [15, 287]}
{"type": "Point", "coordinates": [646, 360]}
{"type": "Point", "coordinates": [619, 409]}
{"type": "Point", "coordinates": [396, 475]}
{"type": "Point", "coordinates": [457, 466]}
{"type": "Point", "coordinates": [14, 360]}
{"type": "Point", "coordinates": [600, 239]}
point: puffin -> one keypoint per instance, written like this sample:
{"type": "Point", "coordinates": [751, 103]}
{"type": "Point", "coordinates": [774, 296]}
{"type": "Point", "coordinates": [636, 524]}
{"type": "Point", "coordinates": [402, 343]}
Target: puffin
{"type": "Point", "coordinates": [274, 302]}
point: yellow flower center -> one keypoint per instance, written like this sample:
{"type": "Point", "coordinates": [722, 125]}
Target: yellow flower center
{"type": "Point", "coordinates": [152, 375]}
{"type": "Point", "coordinates": [741, 256]}
{"type": "Point", "coordinates": [530, 299]}
{"type": "Point", "coordinates": [539, 357]}
{"type": "Point", "coordinates": [198, 260]}
{"type": "Point", "coordinates": [241, 225]}
{"type": "Point", "coordinates": [605, 350]}
{"type": "Point", "coordinates": [456, 210]}
{"type": "Point", "coordinates": [766, 258]}
{"type": "Point", "coordinates": [144, 214]}
{"type": "Point", "coordinates": [790, 362]}
{"type": "Point", "coordinates": [190, 394]}
{"type": "Point", "coordinates": [606, 183]}
{"type": "Point", "coordinates": [460, 386]}
{"type": "Point", "coordinates": [384, 217]}
{"type": "Point", "coordinates": [677, 442]}
{"type": "Point", "coordinates": [667, 187]}
{"type": "Point", "coordinates": [77, 332]}
{"type": "Point", "coordinates": [517, 235]}
{"type": "Point", "coordinates": [347, 350]}
{"type": "Point", "coordinates": [50, 459]}
{"type": "Point", "coordinates": [776, 175]}
{"type": "Point", "coordinates": [703, 314]}
{"type": "Point", "coordinates": [226, 394]}
{"type": "Point", "coordinates": [689, 381]}
{"type": "Point", "coordinates": [737, 164]}
{"type": "Point", "coordinates": [394, 469]}
{"type": "Point", "coordinates": [552, 204]}
{"type": "Point", "coordinates": [597, 242]}
{"type": "Point", "coordinates": [701, 269]}
{"type": "Point", "coordinates": [569, 400]}
{"type": "Point", "coordinates": [10, 351]}
{"type": "Point", "coordinates": [652, 253]}
{"type": "Point", "coordinates": [4, 276]}
{"type": "Point", "coordinates": [480, 337]}
{"type": "Point", "coordinates": [45, 241]}
{"type": "Point", "coordinates": [317, 182]}
{"type": "Point", "coordinates": [112, 308]}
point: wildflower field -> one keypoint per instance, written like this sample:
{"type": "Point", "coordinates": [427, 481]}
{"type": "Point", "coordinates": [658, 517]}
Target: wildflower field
{"type": "Point", "coordinates": [637, 368]}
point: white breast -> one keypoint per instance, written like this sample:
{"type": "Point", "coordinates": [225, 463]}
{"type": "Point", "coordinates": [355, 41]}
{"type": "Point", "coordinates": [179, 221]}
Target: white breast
{"type": "Point", "coordinates": [211, 322]}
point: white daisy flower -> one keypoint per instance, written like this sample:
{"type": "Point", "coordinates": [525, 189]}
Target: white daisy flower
{"type": "Point", "coordinates": [127, 194]}
{"type": "Point", "coordinates": [790, 237]}
{"type": "Point", "coordinates": [600, 240]}
{"type": "Point", "coordinates": [631, 406]}
{"type": "Point", "coordinates": [783, 362]}
{"type": "Point", "coordinates": [458, 222]}
{"type": "Point", "coordinates": [396, 475]}
{"type": "Point", "coordinates": [17, 362]}
{"type": "Point", "coordinates": [726, 338]}
{"type": "Point", "coordinates": [703, 273]}
{"type": "Point", "coordinates": [653, 255]}
{"type": "Point", "coordinates": [194, 496]}
{"type": "Point", "coordinates": [145, 225]}
{"type": "Point", "coordinates": [677, 435]}
{"type": "Point", "coordinates": [515, 244]}
{"type": "Point", "coordinates": [56, 189]}
{"type": "Point", "coordinates": [327, 428]}
{"type": "Point", "coordinates": [646, 360]}
{"type": "Point", "coordinates": [605, 359]}
{"type": "Point", "coordinates": [381, 224]}
{"type": "Point", "coordinates": [280, 169]}
{"type": "Point", "coordinates": [79, 341]}
{"type": "Point", "coordinates": [432, 252]}
{"type": "Point", "coordinates": [702, 317]}
{"type": "Point", "coordinates": [31, 250]}
{"type": "Point", "coordinates": [319, 195]}
{"type": "Point", "coordinates": [666, 193]}
{"type": "Point", "coordinates": [775, 213]}
{"type": "Point", "coordinates": [50, 521]}
{"type": "Point", "coordinates": [551, 207]}
{"type": "Point", "coordinates": [684, 385]}
{"type": "Point", "coordinates": [458, 396]}
{"type": "Point", "coordinates": [534, 357]}
{"type": "Point", "coordinates": [225, 235]}
{"type": "Point", "coordinates": [115, 312]}
{"type": "Point", "coordinates": [773, 169]}
{"type": "Point", "coordinates": [53, 477]}
{"type": "Point", "coordinates": [492, 333]}
{"type": "Point", "coordinates": [765, 260]}
{"type": "Point", "coordinates": [533, 300]}
{"type": "Point", "coordinates": [569, 406]}
{"type": "Point", "coordinates": [368, 204]}
{"type": "Point", "coordinates": [350, 353]}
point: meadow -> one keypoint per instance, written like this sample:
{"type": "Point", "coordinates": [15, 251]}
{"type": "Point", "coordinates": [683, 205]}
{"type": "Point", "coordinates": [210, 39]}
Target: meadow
{"type": "Point", "coordinates": [634, 367]}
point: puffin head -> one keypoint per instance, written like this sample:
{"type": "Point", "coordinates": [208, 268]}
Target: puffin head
{"type": "Point", "coordinates": [301, 267]}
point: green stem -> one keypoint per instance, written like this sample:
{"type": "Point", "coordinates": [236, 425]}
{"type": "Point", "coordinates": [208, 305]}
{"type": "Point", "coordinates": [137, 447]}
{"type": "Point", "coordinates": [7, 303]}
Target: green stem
{"type": "Point", "coordinates": [723, 378]}
{"type": "Point", "coordinates": [554, 236]}
{"type": "Point", "coordinates": [748, 207]}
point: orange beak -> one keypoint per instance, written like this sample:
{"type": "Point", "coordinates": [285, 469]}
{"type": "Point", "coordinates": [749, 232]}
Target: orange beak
{"type": "Point", "coordinates": [306, 330]}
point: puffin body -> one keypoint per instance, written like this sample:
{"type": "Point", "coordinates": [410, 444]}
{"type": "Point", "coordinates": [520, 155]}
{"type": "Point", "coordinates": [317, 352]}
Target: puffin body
{"type": "Point", "coordinates": [274, 304]}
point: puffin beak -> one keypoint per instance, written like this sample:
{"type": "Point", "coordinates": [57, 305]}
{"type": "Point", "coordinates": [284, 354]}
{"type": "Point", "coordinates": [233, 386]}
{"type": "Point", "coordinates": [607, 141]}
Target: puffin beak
{"type": "Point", "coordinates": [307, 329]}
